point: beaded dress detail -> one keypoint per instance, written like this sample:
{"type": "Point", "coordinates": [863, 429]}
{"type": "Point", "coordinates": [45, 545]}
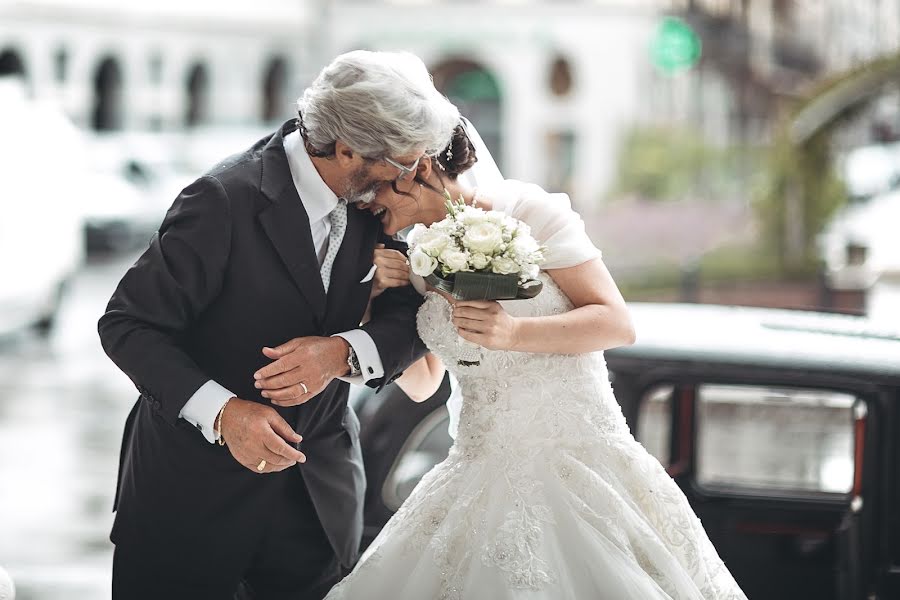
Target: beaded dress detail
{"type": "Point", "coordinates": [545, 494]}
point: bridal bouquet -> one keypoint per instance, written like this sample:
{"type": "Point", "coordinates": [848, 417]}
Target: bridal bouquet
{"type": "Point", "coordinates": [476, 255]}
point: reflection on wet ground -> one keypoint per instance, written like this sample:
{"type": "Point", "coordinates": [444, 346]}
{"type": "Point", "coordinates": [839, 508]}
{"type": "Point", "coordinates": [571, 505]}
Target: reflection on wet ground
{"type": "Point", "coordinates": [62, 408]}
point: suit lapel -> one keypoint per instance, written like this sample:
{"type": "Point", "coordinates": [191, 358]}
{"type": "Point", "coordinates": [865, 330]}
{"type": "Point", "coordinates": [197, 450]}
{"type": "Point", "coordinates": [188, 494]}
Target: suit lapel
{"type": "Point", "coordinates": [286, 223]}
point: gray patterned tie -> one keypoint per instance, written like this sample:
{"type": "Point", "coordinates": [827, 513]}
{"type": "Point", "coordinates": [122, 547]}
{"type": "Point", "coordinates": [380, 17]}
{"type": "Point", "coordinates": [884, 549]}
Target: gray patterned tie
{"type": "Point", "coordinates": [338, 227]}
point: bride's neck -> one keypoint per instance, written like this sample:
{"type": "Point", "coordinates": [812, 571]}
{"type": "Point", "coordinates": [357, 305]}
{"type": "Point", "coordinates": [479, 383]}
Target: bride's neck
{"type": "Point", "coordinates": [458, 189]}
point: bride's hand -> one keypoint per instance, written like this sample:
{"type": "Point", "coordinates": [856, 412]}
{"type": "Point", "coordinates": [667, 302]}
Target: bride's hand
{"type": "Point", "coordinates": [392, 270]}
{"type": "Point", "coordinates": [487, 324]}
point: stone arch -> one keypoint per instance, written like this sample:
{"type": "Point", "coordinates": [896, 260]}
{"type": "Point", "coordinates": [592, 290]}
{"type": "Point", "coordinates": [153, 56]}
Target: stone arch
{"type": "Point", "coordinates": [842, 95]}
{"type": "Point", "coordinates": [274, 86]}
{"type": "Point", "coordinates": [801, 186]}
{"type": "Point", "coordinates": [476, 91]}
{"type": "Point", "coordinates": [197, 90]}
{"type": "Point", "coordinates": [107, 112]}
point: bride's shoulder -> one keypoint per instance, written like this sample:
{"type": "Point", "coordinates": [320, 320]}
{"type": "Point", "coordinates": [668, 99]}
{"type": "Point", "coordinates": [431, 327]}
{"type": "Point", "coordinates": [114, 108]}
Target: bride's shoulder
{"type": "Point", "coordinates": [526, 201]}
{"type": "Point", "coordinates": [551, 218]}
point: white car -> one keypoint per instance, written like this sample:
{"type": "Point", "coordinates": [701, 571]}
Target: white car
{"type": "Point", "coordinates": [869, 171]}
{"type": "Point", "coordinates": [41, 243]}
{"type": "Point", "coordinates": [860, 242]}
{"type": "Point", "coordinates": [117, 214]}
{"type": "Point", "coordinates": [136, 175]}
{"type": "Point", "coordinates": [128, 187]}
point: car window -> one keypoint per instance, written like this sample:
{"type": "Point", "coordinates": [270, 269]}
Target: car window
{"type": "Point", "coordinates": [775, 438]}
{"type": "Point", "coordinates": [654, 422]}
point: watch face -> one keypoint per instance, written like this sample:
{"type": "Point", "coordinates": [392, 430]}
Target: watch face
{"type": "Point", "coordinates": [353, 362]}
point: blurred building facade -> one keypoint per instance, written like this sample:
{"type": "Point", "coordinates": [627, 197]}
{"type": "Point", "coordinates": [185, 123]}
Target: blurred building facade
{"type": "Point", "coordinates": [158, 66]}
{"type": "Point", "coordinates": [760, 53]}
{"type": "Point", "coordinates": [552, 86]}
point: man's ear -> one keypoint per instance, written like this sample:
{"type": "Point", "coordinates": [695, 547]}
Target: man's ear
{"type": "Point", "coordinates": [345, 154]}
{"type": "Point", "coordinates": [423, 171]}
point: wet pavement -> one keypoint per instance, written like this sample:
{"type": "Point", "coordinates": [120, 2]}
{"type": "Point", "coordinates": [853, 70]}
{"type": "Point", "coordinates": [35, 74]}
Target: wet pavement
{"type": "Point", "coordinates": [62, 407]}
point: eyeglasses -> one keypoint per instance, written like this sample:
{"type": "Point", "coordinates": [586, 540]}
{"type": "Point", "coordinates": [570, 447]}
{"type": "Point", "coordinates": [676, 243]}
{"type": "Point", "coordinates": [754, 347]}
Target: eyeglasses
{"type": "Point", "coordinates": [404, 170]}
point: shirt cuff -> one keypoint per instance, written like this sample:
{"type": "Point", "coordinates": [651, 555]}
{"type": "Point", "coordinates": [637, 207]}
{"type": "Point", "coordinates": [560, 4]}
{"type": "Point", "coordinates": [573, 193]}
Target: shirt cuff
{"type": "Point", "coordinates": [203, 407]}
{"type": "Point", "coordinates": [367, 353]}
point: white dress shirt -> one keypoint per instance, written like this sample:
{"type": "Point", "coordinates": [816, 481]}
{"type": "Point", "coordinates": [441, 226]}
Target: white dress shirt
{"type": "Point", "coordinates": [203, 407]}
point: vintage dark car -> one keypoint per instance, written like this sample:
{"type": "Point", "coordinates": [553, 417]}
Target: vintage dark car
{"type": "Point", "coordinates": [781, 427]}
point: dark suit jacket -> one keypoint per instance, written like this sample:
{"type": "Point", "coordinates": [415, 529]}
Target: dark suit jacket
{"type": "Point", "coordinates": [233, 269]}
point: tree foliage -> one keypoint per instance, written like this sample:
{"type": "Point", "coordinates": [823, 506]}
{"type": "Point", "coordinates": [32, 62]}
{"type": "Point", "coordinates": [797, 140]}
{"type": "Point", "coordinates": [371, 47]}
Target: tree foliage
{"type": "Point", "coordinates": [801, 188]}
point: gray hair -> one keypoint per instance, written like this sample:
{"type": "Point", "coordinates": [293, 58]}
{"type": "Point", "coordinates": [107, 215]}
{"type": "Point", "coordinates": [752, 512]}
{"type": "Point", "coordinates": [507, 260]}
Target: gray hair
{"type": "Point", "coordinates": [379, 104]}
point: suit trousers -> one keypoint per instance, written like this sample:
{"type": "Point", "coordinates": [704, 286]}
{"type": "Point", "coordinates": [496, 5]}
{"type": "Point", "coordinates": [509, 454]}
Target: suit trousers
{"type": "Point", "coordinates": [283, 554]}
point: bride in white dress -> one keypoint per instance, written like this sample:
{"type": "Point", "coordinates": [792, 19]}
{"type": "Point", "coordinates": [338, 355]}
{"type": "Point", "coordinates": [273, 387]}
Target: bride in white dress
{"type": "Point", "coordinates": [545, 493]}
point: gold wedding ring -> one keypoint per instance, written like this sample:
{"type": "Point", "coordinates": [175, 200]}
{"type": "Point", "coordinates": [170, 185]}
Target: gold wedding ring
{"type": "Point", "coordinates": [261, 466]}
{"type": "Point", "coordinates": [305, 389]}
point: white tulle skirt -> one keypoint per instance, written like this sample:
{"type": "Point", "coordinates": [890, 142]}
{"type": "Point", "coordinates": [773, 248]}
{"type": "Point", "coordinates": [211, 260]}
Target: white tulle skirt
{"type": "Point", "coordinates": [602, 521]}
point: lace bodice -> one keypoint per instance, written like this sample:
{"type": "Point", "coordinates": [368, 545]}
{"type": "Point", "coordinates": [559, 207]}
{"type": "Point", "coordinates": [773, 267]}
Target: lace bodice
{"type": "Point", "coordinates": [441, 337]}
{"type": "Point", "coordinates": [511, 396]}
{"type": "Point", "coordinates": [542, 379]}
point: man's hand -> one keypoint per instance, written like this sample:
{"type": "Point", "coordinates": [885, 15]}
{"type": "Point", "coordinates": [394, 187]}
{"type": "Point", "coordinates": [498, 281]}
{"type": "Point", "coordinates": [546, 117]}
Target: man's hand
{"type": "Point", "coordinates": [255, 433]}
{"type": "Point", "coordinates": [303, 367]}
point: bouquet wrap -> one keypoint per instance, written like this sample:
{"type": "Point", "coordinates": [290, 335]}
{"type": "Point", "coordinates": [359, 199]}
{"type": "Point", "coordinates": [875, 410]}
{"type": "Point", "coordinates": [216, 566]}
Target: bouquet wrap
{"type": "Point", "coordinates": [485, 286]}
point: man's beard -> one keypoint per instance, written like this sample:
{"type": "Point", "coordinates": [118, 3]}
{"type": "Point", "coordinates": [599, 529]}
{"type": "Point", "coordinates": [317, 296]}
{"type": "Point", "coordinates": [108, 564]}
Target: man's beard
{"type": "Point", "coordinates": [361, 188]}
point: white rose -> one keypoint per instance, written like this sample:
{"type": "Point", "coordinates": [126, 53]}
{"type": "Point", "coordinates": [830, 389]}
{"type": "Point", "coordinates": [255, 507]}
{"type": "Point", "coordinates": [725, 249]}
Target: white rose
{"type": "Point", "coordinates": [495, 216]}
{"type": "Point", "coordinates": [433, 242]}
{"type": "Point", "coordinates": [522, 228]}
{"type": "Point", "coordinates": [455, 260]}
{"type": "Point", "coordinates": [523, 246]}
{"type": "Point", "coordinates": [413, 237]}
{"type": "Point", "coordinates": [422, 264]}
{"type": "Point", "coordinates": [446, 224]}
{"type": "Point", "coordinates": [480, 261]}
{"type": "Point", "coordinates": [471, 216]}
{"type": "Point", "coordinates": [483, 237]}
{"type": "Point", "coordinates": [504, 265]}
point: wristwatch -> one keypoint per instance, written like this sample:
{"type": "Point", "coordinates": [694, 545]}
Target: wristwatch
{"type": "Point", "coordinates": [353, 363]}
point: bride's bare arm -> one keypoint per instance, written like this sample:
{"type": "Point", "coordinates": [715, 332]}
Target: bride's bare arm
{"type": "Point", "coordinates": [422, 379]}
{"type": "Point", "coordinates": [599, 321]}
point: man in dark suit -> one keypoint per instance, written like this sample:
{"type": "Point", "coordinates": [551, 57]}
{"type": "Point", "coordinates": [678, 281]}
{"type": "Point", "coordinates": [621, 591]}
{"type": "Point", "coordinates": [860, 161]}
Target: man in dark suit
{"type": "Point", "coordinates": [238, 324]}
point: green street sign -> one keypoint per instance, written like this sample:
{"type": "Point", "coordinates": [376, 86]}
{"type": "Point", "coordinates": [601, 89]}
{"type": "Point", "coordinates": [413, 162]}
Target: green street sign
{"type": "Point", "coordinates": [675, 47]}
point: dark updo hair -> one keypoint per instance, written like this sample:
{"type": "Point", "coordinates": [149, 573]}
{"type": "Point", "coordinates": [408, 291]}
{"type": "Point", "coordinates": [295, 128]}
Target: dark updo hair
{"type": "Point", "coordinates": [459, 155]}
